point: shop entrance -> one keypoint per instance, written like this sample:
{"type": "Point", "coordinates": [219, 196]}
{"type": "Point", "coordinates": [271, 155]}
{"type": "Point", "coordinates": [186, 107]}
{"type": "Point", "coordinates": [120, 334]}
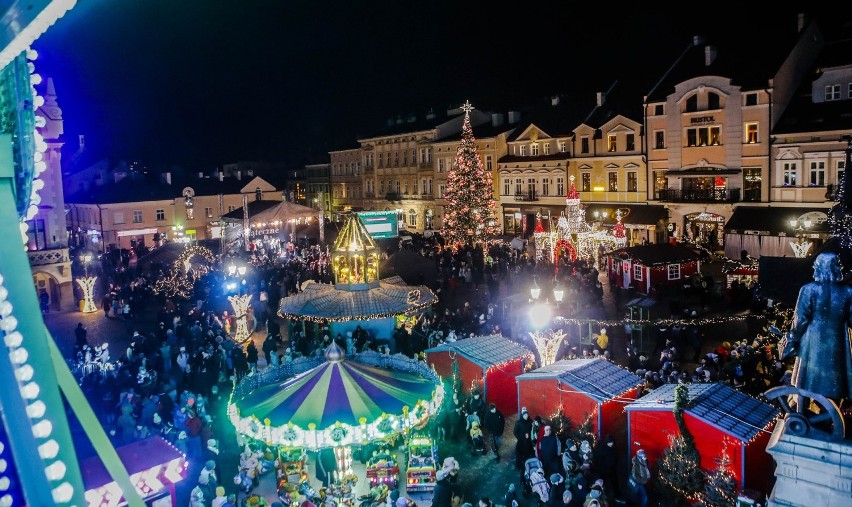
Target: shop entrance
{"type": "Point", "coordinates": [704, 228]}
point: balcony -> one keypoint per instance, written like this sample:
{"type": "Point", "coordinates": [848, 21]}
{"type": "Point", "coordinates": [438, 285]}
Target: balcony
{"type": "Point", "coordinates": [728, 195]}
{"type": "Point", "coordinates": [393, 196]}
{"type": "Point", "coordinates": [43, 257]}
{"type": "Point", "coordinates": [527, 197]}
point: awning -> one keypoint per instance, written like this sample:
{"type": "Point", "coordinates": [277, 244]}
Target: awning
{"type": "Point", "coordinates": [703, 171]}
{"type": "Point", "coordinates": [775, 221]}
{"type": "Point", "coordinates": [635, 215]}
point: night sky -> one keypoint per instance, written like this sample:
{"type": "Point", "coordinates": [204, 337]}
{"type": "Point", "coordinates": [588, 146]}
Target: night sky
{"type": "Point", "coordinates": [201, 83]}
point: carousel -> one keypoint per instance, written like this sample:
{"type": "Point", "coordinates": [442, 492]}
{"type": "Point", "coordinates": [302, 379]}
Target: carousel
{"type": "Point", "coordinates": [361, 402]}
{"type": "Point", "coordinates": [358, 298]}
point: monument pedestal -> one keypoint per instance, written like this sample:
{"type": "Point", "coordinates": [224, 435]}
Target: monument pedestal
{"type": "Point", "coordinates": [809, 471]}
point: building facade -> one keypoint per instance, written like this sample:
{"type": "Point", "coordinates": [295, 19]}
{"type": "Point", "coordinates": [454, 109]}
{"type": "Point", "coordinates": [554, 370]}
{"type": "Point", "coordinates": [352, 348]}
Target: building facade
{"type": "Point", "coordinates": [47, 239]}
{"type": "Point", "coordinates": [318, 187]}
{"type": "Point", "coordinates": [346, 180]}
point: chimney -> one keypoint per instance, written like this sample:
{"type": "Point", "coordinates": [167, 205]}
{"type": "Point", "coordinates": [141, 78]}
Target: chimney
{"type": "Point", "coordinates": [554, 101]}
{"type": "Point", "coordinates": [802, 20]}
{"type": "Point", "coordinates": [81, 139]}
{"type": "Point", "coordinates": [710, 53]}
{"type": "Point", "coordinates": [221, 176]}
{"type": "Point", "coordinates": [514, 116]}
{"type": "Point", "coordinates": [200, 174]}
{"type": "Point", "coordinates": [697, 40]}
{"type": "Point", "coordinates": [399, 119]}
{"type": "Point", "coordinates": [431, 114]}
{"type": "Point", "coordinates": [600, 98]}
{"type": "Point", "coordinates": [496, 119]}
{"type": "Point", "coordinates": [168, 178]}
{"type": "Point", "coordinates": [239, 175]}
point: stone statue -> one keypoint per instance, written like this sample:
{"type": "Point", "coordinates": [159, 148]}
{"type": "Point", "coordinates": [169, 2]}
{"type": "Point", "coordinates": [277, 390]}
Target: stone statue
{"type": "Point", "coordinates": [819, 337]}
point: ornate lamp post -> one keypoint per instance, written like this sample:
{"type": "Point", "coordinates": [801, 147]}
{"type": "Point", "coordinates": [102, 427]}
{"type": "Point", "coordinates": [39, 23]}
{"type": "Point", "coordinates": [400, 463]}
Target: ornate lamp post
{"type": "Point", "coordinates": [535, 290]}
{"type": "Point", "coordinates": [87, 285]}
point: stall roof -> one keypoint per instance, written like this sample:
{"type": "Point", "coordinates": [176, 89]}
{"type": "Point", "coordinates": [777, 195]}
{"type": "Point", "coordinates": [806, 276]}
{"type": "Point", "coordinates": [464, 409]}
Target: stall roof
{"type": "Point", "coordinates": [657, 253]}
{"type": "Point", "coordinates": [772, 220]}
{"type": "Point", "coordinates": [486, 350]}
{"type": "Point", "coordinates": [719, 405]}
{"type": "Point", "coordinates": [136, 457]}
{"type": "Point", "coordinates": [597, 378]}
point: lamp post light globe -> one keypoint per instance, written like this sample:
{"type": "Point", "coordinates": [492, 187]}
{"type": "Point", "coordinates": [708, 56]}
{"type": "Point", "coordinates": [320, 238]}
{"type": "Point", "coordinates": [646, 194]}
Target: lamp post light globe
{"type": "Point", "coordinates": [540, 315]}
{"type": "Point", "coordinates": [232, 270]}
{"type": "Point", "coordinates": [558, 293]}
{"type": "Point", "coordinates": [535, 290]}
{"type": "Point", "coordinates": [241, 270]}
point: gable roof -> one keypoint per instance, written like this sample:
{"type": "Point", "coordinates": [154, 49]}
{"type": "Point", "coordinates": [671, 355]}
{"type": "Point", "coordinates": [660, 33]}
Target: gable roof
{"type": "Point", "coordinates": [484, 351]}
{"type": "Point", "coordinates": [254, 207]}
{"type": "Point", "coordinates": [657, 253]}
{"type": "Point", "coordinates": [136, 189]}
{"type": "Point", "coordinates": [559, 120]}
{"type": "Point", "coordinates": [597, 378]}
{"type": "Point", "coordinates": [719, 405]}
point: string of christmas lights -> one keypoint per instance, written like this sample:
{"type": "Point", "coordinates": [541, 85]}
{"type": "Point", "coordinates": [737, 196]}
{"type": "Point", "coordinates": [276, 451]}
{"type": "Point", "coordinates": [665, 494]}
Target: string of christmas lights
{"type": "Point", "coordinates": [659, 322]}
{"type": "Point", "coordinates": [179, 284]}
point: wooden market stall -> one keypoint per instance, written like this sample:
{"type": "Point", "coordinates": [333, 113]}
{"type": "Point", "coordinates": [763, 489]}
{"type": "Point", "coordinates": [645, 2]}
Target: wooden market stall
{"type": "Point", "coordinates": [646, 267]}
{"type": "Point", "coordinates": [491, 363]}
{"type": "Point", "coordinates": [596, 390]}
{"type": "Point", "coordinates": [718, 414]}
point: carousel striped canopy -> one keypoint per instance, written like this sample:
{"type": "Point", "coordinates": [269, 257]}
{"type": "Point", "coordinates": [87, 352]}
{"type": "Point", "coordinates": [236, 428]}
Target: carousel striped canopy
{"type": "Point", "coordinates": [337, 391]}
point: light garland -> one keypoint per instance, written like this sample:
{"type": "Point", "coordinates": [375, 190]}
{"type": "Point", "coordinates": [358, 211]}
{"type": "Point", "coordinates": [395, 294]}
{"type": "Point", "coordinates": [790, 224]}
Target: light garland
{"type": "Point", "coordinates": [178, 284]}
{"type": "Point", "coordinates": [240, 304]}
{"type": "Point", "coordinates": [547, 345]}
{"type": "Point", "coordinates": [146, 482]}
{"type": "Point", "coordinates": [87, 285]}
{"type": "Point", "coordinates": [42, 427]}
{"type": "Point", "coordinates": [372, 316]}
{"type": "Point", "coordinates": [643, 322]}
{"type": "Point", "coordinates": [39, 165]}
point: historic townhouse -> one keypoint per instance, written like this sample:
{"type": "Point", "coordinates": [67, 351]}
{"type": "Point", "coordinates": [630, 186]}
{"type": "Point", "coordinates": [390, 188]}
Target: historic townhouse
{"type": "Point", "coordinates": [533, 174]}
{"type": "Point", "coordinates": [609, 169]}
{"type": "Point", "coordinates": [318, 187]}
{"type": "Point", "coordinates": [399, 168]}
{"type": "Point", "coordinates": [346, 192]}
{"type": "Point", "coordinates": [808, 160]}
{"type": "Point", "coordinates": [708, 122]}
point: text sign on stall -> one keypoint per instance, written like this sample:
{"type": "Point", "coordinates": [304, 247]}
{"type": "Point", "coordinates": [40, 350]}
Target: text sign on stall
{"type": "Point", "coordinates": [380, 224]}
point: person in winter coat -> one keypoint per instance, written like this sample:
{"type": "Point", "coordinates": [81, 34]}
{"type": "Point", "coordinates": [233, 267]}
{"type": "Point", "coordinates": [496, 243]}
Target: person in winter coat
{"type": "Point", "coordinates": [251, 356]}
{"type": "Point", "coordinates": [606, 461]}
{"type": "Point", "coordinates": [523, 442]}
{"type": "Point", "coordinates": [445, 485]}
{"type": "Point", "coordinates": [476, 405]}
{"type": "Point", "coordinates": [640, 474]}
{"type": "Point", "coordinates": [557, 487]}
{"type": "Point", "coordinates": [550, 449]}
{"type": "Point", "coordinates": [495, 423]}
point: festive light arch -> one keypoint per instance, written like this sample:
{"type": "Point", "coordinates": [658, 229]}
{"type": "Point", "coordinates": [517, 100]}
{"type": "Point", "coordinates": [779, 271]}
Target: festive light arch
{"type": "Point", "coordinates": [564, 244]}
{"type": "Point", "coordinates": [179, 284]}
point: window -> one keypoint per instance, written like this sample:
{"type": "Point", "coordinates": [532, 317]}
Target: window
{"type": "Point", "coordinates": [381, 186]}
{"type": "Point", "coordinates": [531, 187]}
{"type": "Point", "coordinates": [692, 104]}
{"type": "Point", "coordinates": [610, 142]}
{"type": "Point", "coordinates": [613, 181]}
{"type": "Point", "coordinates": [659, 139]}
{"type": "Point", "coordinates": [507, 185]}
{"type": "Point", "coordinates": [562, 147]}
{"type": "Point", "coordinates": [489, 163]}
{"type": "Point", "coordinates": [545, 186]}
{"type": "Point", "coordinates": [440, 165]}
{"type": "Point", "coordinates": [412, 218]}
{"type": "Point", "coordinates": [137, 216]}
{"type": "Point", "coordinates": [405, 187]}
{"type": "Point", "coordinates": [751, 133]}
{"type": "Point", "coordinates": [585, 182]}
{"type": "Point", "coordinates": [674, 271]}
{"type": "Point", "coordinates": [752, 184]}
{"type": "Point", "coordinates": [405, 158]}
{"type": "Point", "coordinates": [703, 136]}
{"type": "Point", "coordinates": [713, 101]}
{"type": "Point", "coordinates": [160, 214]}
{"type": "Point", "coordinates": [518, 189]}
{"type": "Point", "coordinates": [547, 148]}
{"type": "Point", "coordinates": [659, 110]}
{"type": "Point", "coordinates": [637, 272]}
{"type": "Point", "coordinates": [190, 213]}
{"type": "Point", "coordinates": [660, 182]}
{"type": "Point", "coordinates": [789, 174]}
{"type": "Point", "coordinates": [388, 155]}
{"type": "Point", "coordinates": [429, 181]}
{"type": "Point", "coordinates": [751, 99]}
{"type": "Point", "coordinates": [442, 191]}
{"type": "Point", "coordinates": [832, 92]}
{"type": "Point", "coordinates": [816, 175]}
{"type": "Point", "coordinates": [841, 166]}
{"type": "Point", "coordinates": [36, 234]}
{"type": "Point", "coordinates": [560, 186]}
{"type": "Point", "coordinates": [632, 184]}
{"type": "Point", "coordinates": [522, 150]}
{"type": "Point", "coordinates": [208, 212]}
{"type": "Point", "coordinates": [631, 142]}
{"type": "Point", "coordinates": [230, 209]}
{"type": "Point", "coordinates": [584, 144]}
{"type": "Point", "coordinates": [118, 217]}
{"type": "Point", "coordinates": [534, 149]}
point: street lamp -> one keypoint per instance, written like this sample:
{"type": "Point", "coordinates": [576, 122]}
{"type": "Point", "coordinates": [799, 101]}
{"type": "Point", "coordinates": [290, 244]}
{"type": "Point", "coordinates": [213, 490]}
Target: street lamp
{"type": "Point", "coordinates": [87, 285]}
{"type": "Point", "coordinates": [800, 247]}
{"type": "Point", "coordinates": [558, 293]}
{"type": "Point", "coordinates": [241, 270]}
{"type": "Point", "coordinates": [535, 290]}
{"type": "Point", "coordinates": [232, 270]}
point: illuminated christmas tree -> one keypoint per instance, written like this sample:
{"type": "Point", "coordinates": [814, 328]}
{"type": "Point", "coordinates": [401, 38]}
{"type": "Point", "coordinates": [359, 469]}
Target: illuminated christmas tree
{"type": "Point", "coordinates": [679, 473]}
{"type": "Point", "coordinates": [721, 487]}
{"type": "Point", "coordinates": [469, 213]}
{"type": "Point", "coordinates": [840, 215]}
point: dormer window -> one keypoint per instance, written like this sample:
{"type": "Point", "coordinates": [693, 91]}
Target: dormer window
{"type": "Point", "coordinates": [522, 150]}
{"type": "Point", "coordinates": [692, 104]}
{"type": "Point", "coordinates": [610, 143]}
{"type": "Point", "coordinates": [584, 144]}
{"type": "Point", "coordinates": [534, 149]}
{"type": "Point", "coordinates": [258, 194]}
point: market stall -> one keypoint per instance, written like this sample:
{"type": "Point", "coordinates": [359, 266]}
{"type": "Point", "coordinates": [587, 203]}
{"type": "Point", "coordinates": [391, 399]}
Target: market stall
{"type": "Point", "coordinates": [490, 363]}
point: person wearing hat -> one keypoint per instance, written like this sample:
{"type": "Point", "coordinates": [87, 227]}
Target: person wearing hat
{"type": "Point", "coordinates": [220, 498]}
{"type": "Point", "coordinates": [523, 444]}
{"type": "Point", "coordinates": [640, 474]}
{"type": "Point", "coordinates": [557, 487]}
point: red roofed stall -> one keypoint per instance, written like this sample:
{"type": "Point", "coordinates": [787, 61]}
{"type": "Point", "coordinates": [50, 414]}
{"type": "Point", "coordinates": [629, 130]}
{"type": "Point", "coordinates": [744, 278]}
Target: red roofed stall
{"type": "Point", "coordinates": [646, 266]}
{"type": "Point", "coordinates": [492, 362]}
{"type": "Point", "coordinates": [718, 414]}
{"type": "Point", "coordinates": [585, 388]}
